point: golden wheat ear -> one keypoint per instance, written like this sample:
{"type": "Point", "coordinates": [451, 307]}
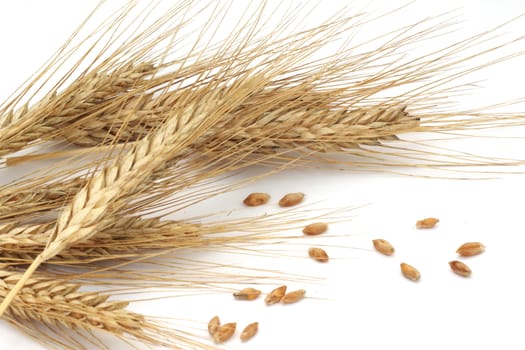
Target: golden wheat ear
{"type": "Point", "coordinates": [61, 306]}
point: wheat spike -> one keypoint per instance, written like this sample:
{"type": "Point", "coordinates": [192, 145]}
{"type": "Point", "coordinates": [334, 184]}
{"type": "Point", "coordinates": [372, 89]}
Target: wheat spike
{"type": "Point", "coordinates": [28, 201]}
{"type": "Point", "coordinates": [60, 304]}
{"type": "Point", "coordinates": [303, 117]}
{"type": "Point", "coordinates": [85, 98]}
{"type": "Point", "coordinates": [124, 237]}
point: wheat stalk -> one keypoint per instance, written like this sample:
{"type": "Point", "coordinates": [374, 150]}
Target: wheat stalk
{"type": "Point", "coordinates": [85, 98]}
{"type": "Point", "coordinates": [304, 116]}
{"type": "Point", "coordinates": [58, 303]}
{"type": "Point", "coordinates": [26, 201]}
{"type": "Point", "coordinates": [124, 237]}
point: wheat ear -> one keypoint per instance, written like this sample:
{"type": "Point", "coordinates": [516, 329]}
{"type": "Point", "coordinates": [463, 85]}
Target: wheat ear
{"type": "Point", "coordinates": [124, 237]}
{"type": "Point", "coordinates": [57, 303]}
{"type": "Point", "coordinates": [85, 98]}
{"type": "Point", "coordinates": [25, 202]}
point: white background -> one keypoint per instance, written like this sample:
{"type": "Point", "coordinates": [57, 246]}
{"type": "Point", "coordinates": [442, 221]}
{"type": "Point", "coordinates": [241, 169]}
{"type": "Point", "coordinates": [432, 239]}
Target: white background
{"type": "Point", "coordinates": [361, 300]}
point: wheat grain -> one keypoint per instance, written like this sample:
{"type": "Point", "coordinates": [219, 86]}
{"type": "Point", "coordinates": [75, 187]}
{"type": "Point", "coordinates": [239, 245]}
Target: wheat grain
{"type": "Point", "coordinates": [291, 199]}
{"type": "Point", "coordinates": [410, 272]}
{"type": "Point", "coordinates": [318, 254]}
{"type": "Point", "coordinates": [255, 199]}
{"type": "Point", "coordinates": [315, 229]}
{"type": "Point", "coordinates": [470, 249]}
{"type": "Point", "coordinates": [383, 246]}
{"type": "Point", "coordinates": [247, 294]}
{"type": "Point", "coordinates": [250, 331]}
{"type": "Point", "coordinates": [293, 297]}
{"type": "Point", "coordinates": [214, 325]}
{"type": "Point", "coordinates": [225, 332]}
{"type": "Point", "coordinates": [427, 223]}
{"type": "Point", "coordinates": [275, 296]}
{"type": "Point", "coordinates": [460, 268]}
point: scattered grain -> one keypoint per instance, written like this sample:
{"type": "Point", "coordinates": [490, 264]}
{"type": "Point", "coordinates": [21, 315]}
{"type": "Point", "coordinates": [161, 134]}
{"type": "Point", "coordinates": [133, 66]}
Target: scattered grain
{"type": "Point", "coordinates": [294, 296]}
{"type": "Point", "coordinates": [315, 229]}
{"type": "Point", "coordinates": [275, 295]}
{"type": "Point", "coordinates": [247, 294]}
{"type": "Point", "coordinates": [224, 332]}
{"type": "Point", "coordinates": [318, 254]}
{"type": "Point", "coordinates": [256, 199]}
{"type": "Point", "coordinates": [214, 325]}
{"type": "Point", "coordinates": [383, 246]}
{"type": "Point", "coordinates": [460, 268]}
{"type": "Point", "coordinates": [410, 272]}
{"type": "Point", "coordinates": [291, 199]}
{"type": "Point", "coordinates": [471, 249]}
{"type": "Point", "coordinates": [249, 331]}
{"type": "Point", "coordinates": [427, 223]}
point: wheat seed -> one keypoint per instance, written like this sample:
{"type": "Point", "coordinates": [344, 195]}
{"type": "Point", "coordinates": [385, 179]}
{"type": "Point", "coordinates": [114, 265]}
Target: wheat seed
{"type": "Point", "coordinates": [275, 295]}
{"type": "Point", "coordinates": [427, 223]}
{"type": "Point", "coordinates": [460, 268]}
{"type": "Point", "coordinates": [315, 229]}
{"type": "Point", "coordinates": [291, 199]}
{"type": "Point", "coordinates": [471, 249]}
{"type": "Point", "coordinates": [318, 254]}
{"type": "Point", "coordinates": [383, 246]}
{"type": "Point", "coordinates": [249, 331]}
{"type": "Point", "coordinates": [247, 294]}
{"type": "Point", "coordinates": [293, 297]}
{"type": "Point", "coordinates": [214, 325]}
{"type": "Point", "coordinates": [224, 332]}
{"type": "Point", "coordinates": [255, 199]}
{"type": "Point", "coordinates": [410, 272]}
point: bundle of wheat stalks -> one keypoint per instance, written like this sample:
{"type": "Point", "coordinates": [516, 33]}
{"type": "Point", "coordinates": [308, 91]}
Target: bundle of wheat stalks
{"type": "Point", "coordinates": [156, 109]}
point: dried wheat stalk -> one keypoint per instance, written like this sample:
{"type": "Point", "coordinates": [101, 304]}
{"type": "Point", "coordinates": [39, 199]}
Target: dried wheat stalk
{"type": "Point", "coordinates": [124, 237]}
{"type": "Point", "coordinates": [60, 304]}
{"type": "Point", "coordinates": [17, 203]}
{"type": "Point", "coordinates": [304, 118]}
{"type": "Point", "coordinates": [88, 96]}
